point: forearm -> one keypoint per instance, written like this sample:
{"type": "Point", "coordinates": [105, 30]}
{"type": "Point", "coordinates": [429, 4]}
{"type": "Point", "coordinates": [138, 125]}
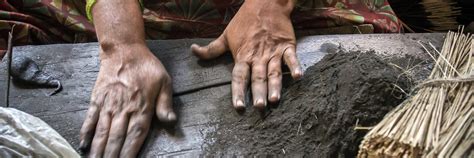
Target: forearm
{"type": "Point", "coordinates": [118, 23]}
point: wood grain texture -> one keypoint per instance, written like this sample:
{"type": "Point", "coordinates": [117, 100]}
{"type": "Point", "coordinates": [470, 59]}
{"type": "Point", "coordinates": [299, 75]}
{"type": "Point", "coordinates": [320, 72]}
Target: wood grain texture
{"type": "Point", "coordinates": [199, 86]}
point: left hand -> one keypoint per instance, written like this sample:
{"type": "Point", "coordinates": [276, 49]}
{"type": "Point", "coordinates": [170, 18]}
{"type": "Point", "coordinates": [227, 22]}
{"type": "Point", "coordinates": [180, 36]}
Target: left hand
{"type": "Point", "coordinates": [259, 36]}
{"type": "Point", "coordinates": [132, 86]}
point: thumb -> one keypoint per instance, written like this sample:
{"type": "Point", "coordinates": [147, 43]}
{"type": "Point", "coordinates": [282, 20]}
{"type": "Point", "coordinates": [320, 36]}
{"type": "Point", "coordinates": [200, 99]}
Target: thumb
{"type": "Point", "coordinates": [164, 103]}
{"type": "Point", "coordinates": [214, 49]}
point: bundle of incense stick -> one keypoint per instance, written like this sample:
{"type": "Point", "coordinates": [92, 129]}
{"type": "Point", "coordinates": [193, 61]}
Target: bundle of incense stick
{"type": "Point", "coordinates": [437, 118]}
{"type": "Point", "coordinates": [427, 15]}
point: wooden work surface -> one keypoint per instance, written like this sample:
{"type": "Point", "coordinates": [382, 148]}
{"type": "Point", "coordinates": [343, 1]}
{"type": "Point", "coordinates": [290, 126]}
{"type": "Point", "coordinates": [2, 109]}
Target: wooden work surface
{"type": "Point", "coordinates": [198, 85]}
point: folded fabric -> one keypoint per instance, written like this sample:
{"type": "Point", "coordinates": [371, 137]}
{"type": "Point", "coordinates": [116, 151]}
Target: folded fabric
{"type": "Point", "coordinates": [24, 135]}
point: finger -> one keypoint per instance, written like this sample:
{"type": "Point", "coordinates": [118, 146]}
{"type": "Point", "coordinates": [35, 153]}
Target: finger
{"type": "Point", "coordinates": [117, 135]}
{"type": "Point", "coordinates": [240, 78]}
{"type": "Point", "coordinates": [289, 55]}
{"type": "Point", "coordinates": [88, 127]}
{"type": "Point", "coordinates": [274, 79]}
{"type": "Point", "coordinates": [136, 134]}
{"type": "Point", "coordinates": [214, 49]}
{"type": "Point", "coordinates": [259, 85]}
{"type": "Point", "coordinates": [101, 135]}
{"type": "Point", "coordinates": [164, 103]}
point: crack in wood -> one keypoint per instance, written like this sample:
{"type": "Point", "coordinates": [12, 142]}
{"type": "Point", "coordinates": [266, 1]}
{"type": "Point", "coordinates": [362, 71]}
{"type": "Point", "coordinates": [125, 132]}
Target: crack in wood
{"type": "Point", "coordinates": [41, 114]}
{"type": "Point", "coordinates": [201, 88]}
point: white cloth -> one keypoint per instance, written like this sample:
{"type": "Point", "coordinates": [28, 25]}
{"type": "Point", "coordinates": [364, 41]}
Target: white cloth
{"type": "Point", "coordinates": [24, 135]}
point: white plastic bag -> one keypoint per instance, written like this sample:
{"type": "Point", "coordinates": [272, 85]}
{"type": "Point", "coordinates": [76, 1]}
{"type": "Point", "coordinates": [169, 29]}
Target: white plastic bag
{"type": "Point", "coordinates": [24, 135]}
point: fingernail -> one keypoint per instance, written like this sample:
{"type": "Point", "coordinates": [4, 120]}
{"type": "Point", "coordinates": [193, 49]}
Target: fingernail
{"type": "Point", "coordinates": [171, 116]}
{"type": "Point", "coordinates": [81, 144]}
{"type": "Point", "coordinates": [240, 103]}
{"type": "Point", "coordinates": [194, 47]}
{"type": "Point", "coordinates": [275, 97]}
{"type": "Point", "coordinates": [298, 73]}
{"type": "Point", "coordinates": [83, 147]}
{"type": "Point", "coordinates": [167, 117]}
{"type": "Point", "coordinates": [260, 103]}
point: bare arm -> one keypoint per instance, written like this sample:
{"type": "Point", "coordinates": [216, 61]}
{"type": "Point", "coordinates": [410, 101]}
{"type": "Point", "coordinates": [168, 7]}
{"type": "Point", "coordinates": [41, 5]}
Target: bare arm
{"type": "Point", "coordinates": [118, 23]}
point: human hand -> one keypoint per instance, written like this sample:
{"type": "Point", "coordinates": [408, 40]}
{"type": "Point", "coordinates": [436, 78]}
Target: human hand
{"type": "Point", "coordinates": [259, 36]}
{"type": "Point", "coordinates": [132, 85]}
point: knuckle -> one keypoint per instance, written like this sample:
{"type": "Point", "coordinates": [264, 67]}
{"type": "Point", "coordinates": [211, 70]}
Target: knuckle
{"type": "Point", "coordinates": [116, 138]}
{"type": "Point", "coordinates": [259, 78]}
{"type": "Point", "coordinates": [167, 78]}
{"type": "Point", "coordinates": [164, 77]}
{"type": "Point", "coordinates": [260, 58]}
{"type": "Point", "coordinates": [238, 78]}
{"type": "Point", "coordinates": [147, 112]}
{"type": "Point", "coordinates": [289, 52]}
{"type": "Point", "coordinates": [132, 109]}
{"type": "Point", "coordinates": [237, 72]}
{"type": "Point", "coordinates": [275, 57]}
{"type": "Point", "coordinates": [274, 74]}
{"type": "Point", "coordinates": [91, 112]}
{"type": "Point", "coordinates": [85, 132]}
{"type": "Point", "coordinates": [118, 100]}
{"type": "Point", "coordinates": [98, 97]}
{"type": "Point", "coordinates": [95, 101]}
{"type": "Point", "coordinates": [109, 110]}
{"type": "Point", "coordinates": [102, 132]}
{"type": "Point", "coordinates": [138, 129]}
{"type": "Point", "coordinates": [88, 125]}
{"type": "Point", "coordinates": [239, 75]}
{"type": "Point", "coordinates": [211, 47]}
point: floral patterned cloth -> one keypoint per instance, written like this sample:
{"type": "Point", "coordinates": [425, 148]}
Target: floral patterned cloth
{"type": "Point", "coordinates": [60, 21]}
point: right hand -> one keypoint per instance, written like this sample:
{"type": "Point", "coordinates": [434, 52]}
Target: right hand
{"type": "Point", "coordinates": [132, 85]}
{"type": "Point", "coordinates": [260, 37]}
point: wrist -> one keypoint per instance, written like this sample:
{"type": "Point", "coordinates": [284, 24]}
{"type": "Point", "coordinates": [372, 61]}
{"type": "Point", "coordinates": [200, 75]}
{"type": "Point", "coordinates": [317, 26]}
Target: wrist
{"type": "Point", "coordinates": [275, 6]}
{"type": "Point", "coordinates": [124, 52]}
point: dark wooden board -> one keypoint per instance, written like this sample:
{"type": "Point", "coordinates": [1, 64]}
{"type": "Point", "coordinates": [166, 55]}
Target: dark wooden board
{"type": "Point", "coordinates": [199, 86]}
{"type": "Point", "coordinates": [196, 118]}
{"type": "Point", "coordinates": [77, 66]}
